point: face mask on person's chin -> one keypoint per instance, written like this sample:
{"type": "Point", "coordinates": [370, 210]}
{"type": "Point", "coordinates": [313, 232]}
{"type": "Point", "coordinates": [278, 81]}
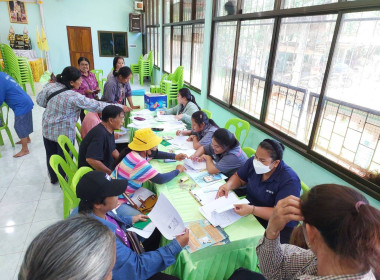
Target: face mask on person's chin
{"type": "Point", "coordinates": [260, 168]}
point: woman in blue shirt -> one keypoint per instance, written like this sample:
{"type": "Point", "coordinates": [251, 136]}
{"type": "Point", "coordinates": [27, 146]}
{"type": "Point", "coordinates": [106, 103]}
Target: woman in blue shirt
{"type": "Point", "coordinates": [268, 180]}
{"type": "Point", "coordinates": [225, 150]}
{"type": "Point", "coordinates": [202, 129]}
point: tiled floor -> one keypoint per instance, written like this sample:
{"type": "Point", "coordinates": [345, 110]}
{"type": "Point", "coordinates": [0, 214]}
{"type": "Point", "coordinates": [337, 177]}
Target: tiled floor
{"type": "Point", "coordinates": [28, 202]}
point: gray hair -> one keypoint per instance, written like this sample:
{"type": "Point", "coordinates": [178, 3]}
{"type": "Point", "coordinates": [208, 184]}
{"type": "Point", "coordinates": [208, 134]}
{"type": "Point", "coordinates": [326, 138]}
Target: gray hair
{"type": "Point", "coordinates": [76, 248]}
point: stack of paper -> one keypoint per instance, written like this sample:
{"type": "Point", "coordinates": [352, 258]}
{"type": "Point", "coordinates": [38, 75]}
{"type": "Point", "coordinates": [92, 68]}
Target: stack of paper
{"type": "Point", "coordinates": [204, 179]}
{"type": "Point", "coordinates": [194, 165]}
{"type": "Point", "coordinates": [180, 142]}
{"type": "Point", "coordinates": [220, 212]}
{"type": "Point", "coordinates": [206, 194]}
{"type": "Point", "coordinates": [146, 232]}
{"type": "Point", "coordinates": [166, 218]}
{"type": "Point", "coordinates": [203, 235]}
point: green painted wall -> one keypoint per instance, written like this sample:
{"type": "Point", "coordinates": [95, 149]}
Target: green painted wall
{"type": "Point", "coordinates": [309, 172]}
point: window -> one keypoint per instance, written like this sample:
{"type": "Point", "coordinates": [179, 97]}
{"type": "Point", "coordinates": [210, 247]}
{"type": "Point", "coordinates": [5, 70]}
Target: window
{"type": "Point", "coordinates": [112, 43]}
{"type": "Point", "coordinates": [183, 43]}
{"type": "Point", "coordinates": [152, 30]}
{"type": "Point", "coordinates": [349, 130]}
{"type": "Point", "coordinates": [305, 71]}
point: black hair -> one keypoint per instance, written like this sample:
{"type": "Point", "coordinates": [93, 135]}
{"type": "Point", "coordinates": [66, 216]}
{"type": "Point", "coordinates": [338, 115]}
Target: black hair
{"type": "Point", "coordinates": [115, 60]}
{"type": "Point", "coordinates": [225, 138]}
{"type": "Point", "coordinates": [185, 92]}
{"type": "Point", "coordinates": [275, 148]}
{"type": "Point", "coordinates": [229, 7]}
{"type": "Point", "coordinates": [201, 117]}
{"type": "Point", "coordinates": [82, 58]}
{"type": "Point", "coordinates": [124, 71]}
{"type": "Point", "coordinates": [69, 74]}
{"type": "Point", "coordinates": [86, 206]}
{"type": "Point", "coordinates": [111, 111]}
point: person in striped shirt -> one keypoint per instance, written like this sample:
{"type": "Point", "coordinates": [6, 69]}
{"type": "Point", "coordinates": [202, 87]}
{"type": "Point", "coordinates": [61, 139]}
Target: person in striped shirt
{"type": "Point", "coordinates": [133, 165]}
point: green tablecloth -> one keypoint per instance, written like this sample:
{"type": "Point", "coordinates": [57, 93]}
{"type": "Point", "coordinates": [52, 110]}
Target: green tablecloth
{"type": "Point", "coordinates": [217, 262]}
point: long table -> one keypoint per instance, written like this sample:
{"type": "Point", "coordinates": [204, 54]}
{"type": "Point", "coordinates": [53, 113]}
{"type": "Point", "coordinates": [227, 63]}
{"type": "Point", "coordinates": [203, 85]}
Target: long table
{"type": "Point", "coordinates": [216, 262]}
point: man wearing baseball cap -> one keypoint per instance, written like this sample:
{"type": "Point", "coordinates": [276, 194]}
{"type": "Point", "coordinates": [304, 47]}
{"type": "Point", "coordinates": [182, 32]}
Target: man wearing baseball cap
{"type": "Point", "coordinates": [99, 196]}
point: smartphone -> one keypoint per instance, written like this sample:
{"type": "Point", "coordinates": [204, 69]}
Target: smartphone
{"type": "Point", "coordinates": [139, 119]}
{"type": "Point", "coordinates": [157, 129]}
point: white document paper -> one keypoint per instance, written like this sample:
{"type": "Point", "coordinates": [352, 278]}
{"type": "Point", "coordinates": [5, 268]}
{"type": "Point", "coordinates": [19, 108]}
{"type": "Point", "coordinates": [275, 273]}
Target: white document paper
{"type": "Point", "coordinates": [166, 118]}
{"type": "Point", "coordinates": [224, 206]}
{"type": "Point", "coordinates": [181, 143]}
{"type": "Point", "coordinates": [207, 194]}
{"type": "Point", "coordinates": [146, 232]}
{"type": "Point", "coordinates": [194, 165]}
{"type": "Point", "coordinates": [142, 113]}
{"type": "Point", "coordinates": [166, 218]}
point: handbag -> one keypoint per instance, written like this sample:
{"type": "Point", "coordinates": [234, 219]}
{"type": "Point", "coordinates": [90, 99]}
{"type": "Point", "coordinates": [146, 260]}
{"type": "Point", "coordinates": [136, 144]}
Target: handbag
{"type": "Point", "coordinates": [134, 242]}
{"type": "Point", "coordinates": [55, 93]}
{"type": "Point", "coordinates": [146, 204]}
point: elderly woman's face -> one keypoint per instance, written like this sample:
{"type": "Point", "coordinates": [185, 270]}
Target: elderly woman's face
{"type": "Point", "coordinates": [84, 66]}
{"type": "Point", "coordinates": [119, 64]}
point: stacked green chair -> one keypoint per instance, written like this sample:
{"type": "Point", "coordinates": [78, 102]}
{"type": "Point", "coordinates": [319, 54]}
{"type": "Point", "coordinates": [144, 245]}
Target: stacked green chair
{"type": "Point", "coordinates": [136, 67]}
{"type": "Point", "coordinates": [78, 137]}
{"type": "Point", "coordinates": [4, 125]}
{"type": "Point", "coordinates": [77, 176]}
{"type": "Point", "coordinates": [101, 85]}
{"type": "Point", "coordinates": [17, 67]}
{"type": "Point", "coordinates": [208, 113]}
{"type": "Point", "coordinates": [157, 88]}
{"type": "Point", "coordinates": [70, 199]}
{"type": "Point", "coordinates": [63, 142]}
{"type": "Point", "coordinates": [172, 84]}
{"type": "Point", "coordinates": [249, 151]}
{"type": "Point", "coordinates": [240, 126]}
{"type": "Point", "coordinates": [304, 188]}
{"type": "Point", "coordinates": [97, 74]}
{"type": "Point", "coordinates": [146, 68]}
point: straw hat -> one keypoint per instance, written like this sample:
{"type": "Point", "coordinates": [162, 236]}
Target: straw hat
{"type": "Point", "coordinates": [144, 140]}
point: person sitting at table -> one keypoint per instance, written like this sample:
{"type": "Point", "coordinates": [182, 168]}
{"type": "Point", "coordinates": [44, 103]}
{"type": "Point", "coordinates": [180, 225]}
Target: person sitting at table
{"type": "Point", "coordinates": [98, 195]}
{"type": "Point", "coordinates": [342, 232]}
{"type": "Point", "coordinates": [118, 62]}
{"type": "Point", "coordinates": [133, 165]}
{"type": "Point", "coordinates": [80, 247]}
{"type": "Point", "coordinates": [202, 129]}
{"type": "Point", "coordinates": [186, 107]}
{"type": "Point", "coordinates": [89, 86]}
{"type": "Point", "coordinates": [117, 89]}
{"type": "Point", "coordinates": [98, 149]}
{"type": "Point", "coordinates": [62, 111]}
{"type": "Point", "coordinates": [225, 150]}
{"type": "Point", "coordinates": [268, 180]}
{"type": "Point", "coordinates": [90, 121]}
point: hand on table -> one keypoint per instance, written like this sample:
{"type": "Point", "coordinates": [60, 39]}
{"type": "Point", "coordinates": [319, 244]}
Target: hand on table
{"type": "Point", "coordinates": [205, 158]}
{"type": "Point", "coordinates": [286, 210]}
{"type": "Point", "coordinates": [243, 209]}
{"type": "Point", "coordinates": [136, 107]}
{"type": "Point", "coordinates": [117, 135]}
{"type": "Point", "coordinates": [191, 138]}
{"type": "Point", "coordinates": [180, 157]}
{"type": "Point", "coordinates": [140, 217]}
{"type": "Point", "coordinates": [223, 191]}
{"type": "Point", "coordinates": [178, 117]}
{"type": "Point", "coordinates": [126, 108]}
{"type": "Point", "coordinates": [178, 133]}
{"type": "Point", "coordinates": [183, 239]}
{"type": "Point", "coordinates": [181, 168]}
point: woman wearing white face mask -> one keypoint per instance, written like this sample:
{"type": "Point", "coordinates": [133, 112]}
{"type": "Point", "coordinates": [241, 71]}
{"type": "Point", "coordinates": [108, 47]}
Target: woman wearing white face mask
{"type": "Point", "coordinates": [268, 180]}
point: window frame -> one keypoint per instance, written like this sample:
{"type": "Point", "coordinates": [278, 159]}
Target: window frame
{"type": "Point", "coordinates": [153, 23]}
{"type": "Point", "coordinates": [340, 8]}
{"type": "Point", "coordinates": [113, 47]}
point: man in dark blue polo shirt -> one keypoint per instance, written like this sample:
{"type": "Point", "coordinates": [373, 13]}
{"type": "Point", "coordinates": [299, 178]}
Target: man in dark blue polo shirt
{"type": "Point", "coordinates": [268, 180]}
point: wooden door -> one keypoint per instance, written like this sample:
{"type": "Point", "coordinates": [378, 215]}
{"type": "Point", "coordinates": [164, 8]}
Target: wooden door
{"type": "Point", "coordinates": [80, 44]}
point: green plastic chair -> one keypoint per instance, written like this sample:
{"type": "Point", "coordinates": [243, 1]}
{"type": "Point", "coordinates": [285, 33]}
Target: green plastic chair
{"type": "Point", "coordinates": [172, 84]}
{"type": "Point", "coordinates": [103, 82]}
{"type": "Point", "coordinates": [208, 113]}
{"type": "Point", "coordinates": [63, 142]}
{"type": "Point", "coordinates": [69, 197]}
{"type": "Point", "coordinates": [78, 137]}
{"type": "Point", "coordinates": [157, 88]}
{"type": "Point", "coordinates": [4, 125]}
{"type": "Point", "coordinates": [304, 188]}
{"type": "Point", "coordinates": [77, 176]}
{"type": "Point", "coordinates": [146, 68]}
{"type": "Point", "coordinates": [240, 126]}
{"type": "Point", "coordinates": [249, 151]}
{"type": "Point", "coordinates": [97, 74]}
{"type": "Point", "coordinates": [135, 68]}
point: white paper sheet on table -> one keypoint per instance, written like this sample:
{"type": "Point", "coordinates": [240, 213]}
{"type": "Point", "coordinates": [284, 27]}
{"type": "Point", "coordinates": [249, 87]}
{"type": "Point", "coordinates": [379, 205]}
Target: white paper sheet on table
{"type": "Point", "coordinates": [194, 165]}
{"type": "Point", "coordinates": [198, 177]}
{"type": "Point", "coordinates": [166, 118]}
{"type": "Point", "coordinates": [225, 217]}
{"type": "Point", "coordinates": [143, 112]}
{"type": "Point", "coordinates": [166, 218]}
{"type": "Point", "coordinates": [182, 143]}
{"type": "Point", "coordinates": [146, 232]}
{"type": "Point", "coordinates": [207, 194]}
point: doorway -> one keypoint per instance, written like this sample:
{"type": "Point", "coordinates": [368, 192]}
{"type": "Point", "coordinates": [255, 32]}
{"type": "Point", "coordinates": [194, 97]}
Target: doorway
{"type": "Point", "coordinates": [80, 44]}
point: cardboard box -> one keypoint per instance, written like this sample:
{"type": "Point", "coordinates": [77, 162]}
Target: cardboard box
{"type": "Point", "coordinates": [153, 101]}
